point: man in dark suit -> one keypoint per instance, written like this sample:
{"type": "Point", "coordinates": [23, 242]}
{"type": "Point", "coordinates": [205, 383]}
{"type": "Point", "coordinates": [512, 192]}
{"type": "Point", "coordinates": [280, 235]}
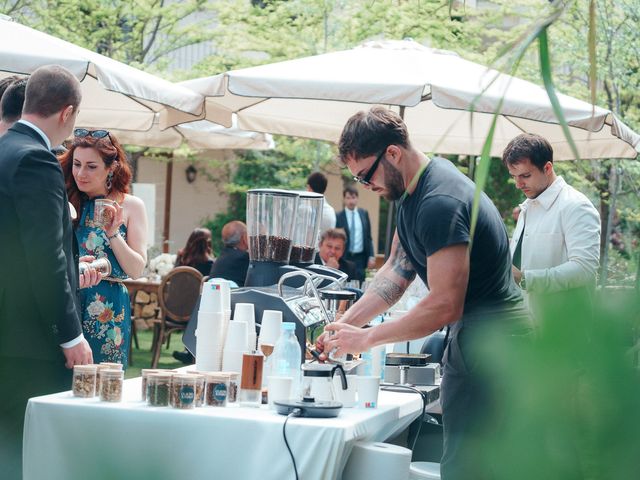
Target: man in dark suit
{"type": "Point", "coordinates": [331, 250]}
{"type": "Point", "coordinates": [355, 222]}
{"type": "Point", "coordinates": [40, 329]}
{"type": "Point", "coordinates": [233, 261]}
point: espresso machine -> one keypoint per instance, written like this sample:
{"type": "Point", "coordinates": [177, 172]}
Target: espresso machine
{"type": "Point", "coordinates": [282, 227]}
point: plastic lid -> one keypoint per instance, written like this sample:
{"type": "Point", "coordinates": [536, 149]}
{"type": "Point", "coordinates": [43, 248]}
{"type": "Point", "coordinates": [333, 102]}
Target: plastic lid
{"type": "Point", "coordinates": [160, 375]}
{"type": "Point", "coordinates": [114, 366]}
{"type": "Point", "coordinates": [184, 376]}
{"type": "Point", "coordinates": [112, 373]}
{"type": "Point", "coordinates": [85, 368]}
{"type": "Point", "coordinates": [148, 371]}
{"type": "Point", "coordinates": [288, 326]}
{"type": "Point", "coordinates": [217, 377]}
{"type": "Point", "coordinates": [337, 294]}
{"type": "Point", "coordinates": [272, 191]}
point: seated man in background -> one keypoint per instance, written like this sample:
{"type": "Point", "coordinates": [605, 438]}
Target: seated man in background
{"type": "Point", "coordinates": [233, 261]}
{"type": "Point", "coordinates": [331, 250]}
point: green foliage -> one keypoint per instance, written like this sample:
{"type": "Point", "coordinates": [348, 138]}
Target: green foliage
{"type": "Point", "coordinates": [139, 33]}
{"type": "Point", "coordinates": [287, 167]}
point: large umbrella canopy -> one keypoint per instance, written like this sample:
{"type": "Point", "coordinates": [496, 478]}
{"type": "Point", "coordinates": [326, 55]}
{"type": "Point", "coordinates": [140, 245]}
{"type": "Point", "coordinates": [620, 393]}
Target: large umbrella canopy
{"type": "Point", "coordinates": [113, 94]}
{"type": "Point", "coordinates": [313, 97]}
{"type": "Point", "coordinates": [199, 135]}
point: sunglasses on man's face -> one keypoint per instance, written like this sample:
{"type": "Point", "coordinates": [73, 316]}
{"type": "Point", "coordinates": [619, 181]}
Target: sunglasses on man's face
{"type": "Point", "coordinates": [366, 179]}
{"type": "Point", "coordinates": [97, 134]}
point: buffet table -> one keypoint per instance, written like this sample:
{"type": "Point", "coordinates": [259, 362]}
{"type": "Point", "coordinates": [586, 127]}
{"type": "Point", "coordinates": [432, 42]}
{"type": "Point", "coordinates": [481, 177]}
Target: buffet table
{"type": "Point", "coordinates": [71, 438]}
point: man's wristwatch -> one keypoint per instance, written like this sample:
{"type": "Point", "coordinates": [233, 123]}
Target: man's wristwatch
{"type": "Point", "coordinates": [523, 282]}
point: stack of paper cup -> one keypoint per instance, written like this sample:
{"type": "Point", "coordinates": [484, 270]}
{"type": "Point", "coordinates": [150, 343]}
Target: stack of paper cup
{"type": "Point", "coordinates": [226, 300]}
{"type": "Point", "coordinates": [270, 327]}
{"type": "Point", "coordinates": [234, 346]}
{"type": "Point", "coordinates": [245, 312]}
{"type": "Point", "coordinates": [210, 331]}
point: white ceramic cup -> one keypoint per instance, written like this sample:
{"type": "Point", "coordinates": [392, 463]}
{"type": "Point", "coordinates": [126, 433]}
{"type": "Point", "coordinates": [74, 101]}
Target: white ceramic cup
{"type": "Point", "coordinates": [368, 387]}
{"type": "Point", "coordinates": [270, 327]}
{"type": "Point", "coordinates": [346, 397]}
{"type": "Point", "coordinates": [279, 388]}
{"type": "Point", "coordinates": [236, 336]}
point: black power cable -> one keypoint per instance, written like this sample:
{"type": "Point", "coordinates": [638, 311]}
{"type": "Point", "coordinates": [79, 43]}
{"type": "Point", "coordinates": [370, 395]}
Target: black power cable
{"type": "Point", "coordinates": [392, 387]}
{"type": "Point", "coordinates": [294, 413]}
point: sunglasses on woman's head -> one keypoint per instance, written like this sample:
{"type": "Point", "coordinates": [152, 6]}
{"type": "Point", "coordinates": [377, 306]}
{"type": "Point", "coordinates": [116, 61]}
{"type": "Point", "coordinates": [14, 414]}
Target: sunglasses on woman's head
{"type": "Point", "coordinates": [97, 134]}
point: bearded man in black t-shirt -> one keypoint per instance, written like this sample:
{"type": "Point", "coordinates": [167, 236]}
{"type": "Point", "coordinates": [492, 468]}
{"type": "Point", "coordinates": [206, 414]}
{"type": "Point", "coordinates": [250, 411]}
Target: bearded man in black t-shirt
{"type": "Point", "coordinates": [469, 276]}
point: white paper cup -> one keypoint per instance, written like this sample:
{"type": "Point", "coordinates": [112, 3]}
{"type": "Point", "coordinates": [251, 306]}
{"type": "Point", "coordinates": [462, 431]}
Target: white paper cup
{"type": "Point", "coordinates": [236, 336]}
{"type": "Point", "coordinates": [232, 360]}
{"type": "Point", "coordinates": [346, 397]}
{"type": "Point", "coordinates": [245, 312]}
{"type": "Point", "coordinates": [279, 388]}
{"type": "Point", "coordinates": [211, 299]}
{"type": "Point", "coordinates": [270, 327]}
{"type": "Point", "coordinates": [368, 387]}
{"type": "Point", "coordinates": [226, 292]}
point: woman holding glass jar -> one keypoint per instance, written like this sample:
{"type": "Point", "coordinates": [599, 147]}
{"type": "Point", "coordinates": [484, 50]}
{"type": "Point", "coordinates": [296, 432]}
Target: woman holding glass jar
{"type": "Point", "coordinates": [111, 224]}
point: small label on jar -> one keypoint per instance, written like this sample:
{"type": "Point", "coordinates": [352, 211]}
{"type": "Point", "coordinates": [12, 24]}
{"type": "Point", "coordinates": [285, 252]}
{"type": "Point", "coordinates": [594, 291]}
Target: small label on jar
{"type": "Point", "coordinates": [187, 395]}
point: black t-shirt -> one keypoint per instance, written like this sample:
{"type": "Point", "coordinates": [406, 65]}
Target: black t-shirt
{"type": "Point", "coordinates": [438, 214]}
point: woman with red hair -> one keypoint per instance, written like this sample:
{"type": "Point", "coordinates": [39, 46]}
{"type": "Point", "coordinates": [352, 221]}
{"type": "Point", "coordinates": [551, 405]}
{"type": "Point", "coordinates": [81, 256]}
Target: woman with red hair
{"type": "Point", "coordinates": [95, 167]}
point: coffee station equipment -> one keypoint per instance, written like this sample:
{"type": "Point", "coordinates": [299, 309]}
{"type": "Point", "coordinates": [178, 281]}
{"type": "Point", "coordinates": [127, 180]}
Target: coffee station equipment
{"type": "Point", "coordinates": [305, 230]}
{"type": "Point", "coordinates": [271, 217]}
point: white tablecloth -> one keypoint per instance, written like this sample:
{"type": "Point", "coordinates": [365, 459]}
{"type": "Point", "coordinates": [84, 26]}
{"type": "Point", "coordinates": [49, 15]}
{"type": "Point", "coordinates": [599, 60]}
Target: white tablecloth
{"type": "Point", "coordinates": [70, 438]}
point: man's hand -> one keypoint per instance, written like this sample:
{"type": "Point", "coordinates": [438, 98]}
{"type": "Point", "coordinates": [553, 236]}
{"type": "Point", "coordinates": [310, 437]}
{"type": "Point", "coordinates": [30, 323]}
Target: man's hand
{"type": "Point", "coordinates": [91, 276]}
{"type": "Point", "coordinates": [333, 263]}
{"type": "Point", "coordinates": [371, 263]}
{"type": "Point", "coordinates": [79, 354]}
{"type": "Point", "coordinates": [342, 338]}
{"type": "Point", "coordinates": [517, 274]}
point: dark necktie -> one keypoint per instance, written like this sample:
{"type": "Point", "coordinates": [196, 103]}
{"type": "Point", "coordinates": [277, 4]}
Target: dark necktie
{"type": "Point", "coordinates": [517, 255]}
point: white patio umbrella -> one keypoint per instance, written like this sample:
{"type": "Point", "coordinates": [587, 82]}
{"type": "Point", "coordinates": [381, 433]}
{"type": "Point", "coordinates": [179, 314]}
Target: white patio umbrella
{"type": "Point", "coordinates": [199, 135]}
{"type": "Point", "coordinates": [113, 94]}
{"type": "Point", "coordinates": [313, 97]}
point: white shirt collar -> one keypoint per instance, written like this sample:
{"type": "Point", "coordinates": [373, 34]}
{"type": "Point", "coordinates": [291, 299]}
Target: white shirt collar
{"type": "Point", "coordinates": [37, 129]}
{"type": "Point", "coordinates": [547, 197]}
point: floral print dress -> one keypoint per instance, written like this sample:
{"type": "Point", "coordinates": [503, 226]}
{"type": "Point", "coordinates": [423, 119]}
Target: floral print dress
{"type": "Point", "coordinates": [106, 308]}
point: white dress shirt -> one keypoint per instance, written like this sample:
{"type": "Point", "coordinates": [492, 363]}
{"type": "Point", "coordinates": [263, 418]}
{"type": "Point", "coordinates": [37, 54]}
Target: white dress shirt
{"type": "Point", "coordinates": [356, 237]}
{"type": "Point", "coordinates": [328, 217]}
{"type": "Point", "coordinates": [561, 244]}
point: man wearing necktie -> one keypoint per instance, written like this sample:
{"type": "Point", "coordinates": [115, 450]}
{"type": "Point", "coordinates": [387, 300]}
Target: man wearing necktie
{"type": "Point", "coordinates": [556, 242]}
{"type": "Point", "coordinates": [356, 224]}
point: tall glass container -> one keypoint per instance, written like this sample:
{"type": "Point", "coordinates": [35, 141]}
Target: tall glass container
{"type": "Point", "coordinates": [271, 215]}
{"type": "Point", "coordinates": [305, 231]}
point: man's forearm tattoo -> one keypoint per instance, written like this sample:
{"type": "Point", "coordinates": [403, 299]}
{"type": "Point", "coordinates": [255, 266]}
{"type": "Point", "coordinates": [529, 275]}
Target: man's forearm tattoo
{"type": "Point", "coordinates": [387, 290]}
{"type": "Point", "coordinates": [401, 264]}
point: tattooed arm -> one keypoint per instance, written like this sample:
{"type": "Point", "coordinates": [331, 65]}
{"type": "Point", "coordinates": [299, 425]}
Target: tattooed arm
{"type": "Point", "coordinates": [386, 288]}
{"type": "Point", "coordinates": [448, 275]}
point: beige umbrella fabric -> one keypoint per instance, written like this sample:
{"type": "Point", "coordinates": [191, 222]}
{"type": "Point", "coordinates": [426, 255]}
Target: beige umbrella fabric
{"type": "Point", "coordinates": [313, 97]}
{"type": "Point", "coordinates": [114, 94]}
{"type": "Point", "coordinates": [199, 135]}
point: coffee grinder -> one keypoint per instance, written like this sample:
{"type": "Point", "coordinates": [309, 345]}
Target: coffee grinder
{"type": "Point", "coordinates": [271, 216]}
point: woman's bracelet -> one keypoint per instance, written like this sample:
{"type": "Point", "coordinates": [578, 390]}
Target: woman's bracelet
{"type": "Point", "coordinates": [111, 237]}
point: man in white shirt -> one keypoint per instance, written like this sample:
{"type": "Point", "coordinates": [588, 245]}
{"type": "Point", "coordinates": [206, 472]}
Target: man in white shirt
{"type": "Point", "coordinates": [317, 182]}
{"type": "Point", "coordinates": [556, 242]}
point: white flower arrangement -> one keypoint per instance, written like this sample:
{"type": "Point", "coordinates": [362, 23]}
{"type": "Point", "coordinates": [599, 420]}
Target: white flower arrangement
{"type": "Point", "coordinates": [162, 264]}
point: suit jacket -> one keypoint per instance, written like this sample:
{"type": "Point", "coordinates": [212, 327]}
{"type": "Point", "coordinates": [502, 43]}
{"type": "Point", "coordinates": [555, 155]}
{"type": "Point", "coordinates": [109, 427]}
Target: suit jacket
{"type": "Point", "coordinates": [39, 306]}
{"type": "Point", "coordinates": [232, 264]}
{"type": "Point", "coordinates": [344, 265]}
{"type": "Point", "coordinates": [367, 242]}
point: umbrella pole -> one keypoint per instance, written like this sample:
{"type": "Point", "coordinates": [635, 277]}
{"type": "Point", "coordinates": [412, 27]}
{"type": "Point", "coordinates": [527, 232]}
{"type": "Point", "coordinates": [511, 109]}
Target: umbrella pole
{"type": "Point", "coordinates": [167, 204]}
{"type": "Point", "coordinates": [615, 184]}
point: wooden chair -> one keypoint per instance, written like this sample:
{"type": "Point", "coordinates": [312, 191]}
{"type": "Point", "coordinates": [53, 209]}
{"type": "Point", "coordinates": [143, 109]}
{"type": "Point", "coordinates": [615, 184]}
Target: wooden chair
{"type": "Point", "coordinates": [177, 295]}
